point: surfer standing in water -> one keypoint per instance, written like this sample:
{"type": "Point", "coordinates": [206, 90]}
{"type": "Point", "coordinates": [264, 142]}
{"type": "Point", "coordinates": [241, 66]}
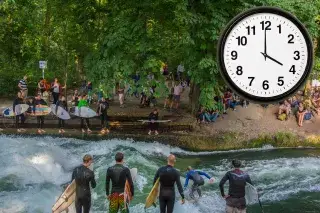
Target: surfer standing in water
{"type": "Point", "coordinates": [168, 177]}
{"type": "Point", "coordinates": [236, 202]}
{"type": "Point", "coordinates": [118, 174]}
{"type": "Point", "coordinates": [83, 177]}
{"type": "Point", "coordinates": [197, 181]}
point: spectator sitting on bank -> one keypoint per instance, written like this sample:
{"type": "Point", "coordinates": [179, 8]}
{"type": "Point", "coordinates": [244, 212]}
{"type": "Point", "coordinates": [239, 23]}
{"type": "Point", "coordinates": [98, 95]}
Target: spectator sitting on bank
{"type": "Point", "coordinates": [294, 102]}
{"type": "Point", "coordinates": [200, 115]}
{"type": "Point", "coordinates": [316, 99]}
{"type": "Point", "coordinates": [300, 114]}
{"type": "Point", "coordinates": [211, 115]}
{"type": "Point", "coordinates": [227, 100]}
{"type": "Point", "coordinates": [284, 108]}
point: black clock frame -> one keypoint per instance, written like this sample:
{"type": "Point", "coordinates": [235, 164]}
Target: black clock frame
{"type": "Point", "coordinates": [221, 46]}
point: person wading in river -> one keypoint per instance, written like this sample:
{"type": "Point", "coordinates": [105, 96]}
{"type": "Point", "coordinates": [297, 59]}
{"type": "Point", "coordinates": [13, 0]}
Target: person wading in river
{"type": "Point", "coordinates": [83, 177]}
{"type": "Point", "coordinates": [236, 202]}
{"type": "Point", "coordinates": [168, 177]}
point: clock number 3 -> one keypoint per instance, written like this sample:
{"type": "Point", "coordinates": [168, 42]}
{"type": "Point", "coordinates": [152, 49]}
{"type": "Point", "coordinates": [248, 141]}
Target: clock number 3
{"type": "Point", "coordinates": [297, 57]}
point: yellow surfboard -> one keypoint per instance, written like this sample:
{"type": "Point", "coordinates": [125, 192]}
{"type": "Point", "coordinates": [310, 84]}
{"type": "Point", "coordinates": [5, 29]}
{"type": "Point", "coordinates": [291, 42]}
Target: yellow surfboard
{"type": "Point", "coordinates": [153, 195]}
{"type": "Point", "coordinates": [66, 199]}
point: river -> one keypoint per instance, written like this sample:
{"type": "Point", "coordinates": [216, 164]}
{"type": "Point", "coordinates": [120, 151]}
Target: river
{"type": "Point", "coordinates": [33, 169]}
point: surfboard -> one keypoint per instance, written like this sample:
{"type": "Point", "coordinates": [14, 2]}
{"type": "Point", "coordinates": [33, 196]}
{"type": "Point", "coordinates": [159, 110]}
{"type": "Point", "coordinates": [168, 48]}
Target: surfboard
{"type": "Point", "coordinates": [153, 195]}
{"type": "Point", "coordinates": [83, 112]}
{"type": "Point", "coordinates": [66, 198]}
{"type": "Point", "coordinates": [158, 121]}
{"type": "Point", "coordinates": [60, 113]}
{"type": "Point", "coordinates": [127, 191]}
{"type": "Point", "coordinates": [42, 110]}
{"type": "Point", "coordinates": [19, 109]}
{"type": "Point", "coordinates": [252, 195]}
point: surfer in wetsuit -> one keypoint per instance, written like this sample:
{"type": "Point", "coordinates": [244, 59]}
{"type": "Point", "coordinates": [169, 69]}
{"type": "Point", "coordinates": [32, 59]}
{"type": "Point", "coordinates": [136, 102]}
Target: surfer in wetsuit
{"type": "Point", "coordinates": [40, 119]}
{"type": "Point", "coordinates": [63, 104]}
{"type": "Point", "coordinates": [118, 174]}
{"type": "Point", "coordinates": [168, 177]}
{"type": "Point", "coordinates": [84, 121]}
{"type": "Point", "coordinates": [102, 111]}
{"type": "Point", "coordinates": [153, 125]}
{"type": "Point", "coordinates": [17, 101]}
{"type": "Point", "coordinates": [197, 180]}
{"type": "Point", "coordinates": [83, 177]}
{"type": "Point", "coordinates": [236, 202]}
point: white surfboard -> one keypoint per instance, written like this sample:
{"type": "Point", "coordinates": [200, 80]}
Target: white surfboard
{"type": "Point", "coordinates": [158, 121]}
{"type": "Point", "coordinates": [60, 113]}
{"type": "Point", "coordinates": [83, 112]}
{"type": "Point", "coordinates": [19, 109]}
{"type": "Point", "coordinates": [252, 195]}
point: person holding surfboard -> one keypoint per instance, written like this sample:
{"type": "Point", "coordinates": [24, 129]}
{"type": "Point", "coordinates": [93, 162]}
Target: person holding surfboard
{"type": "Point", "coordinates": [168, 176]}
{"type": "Point", "coordinates": [197, 180]}
{"type": "Point", "coordinates": [84, 177]}
{"type": "Point", "coordinates": [118, 174]}
{"type": "Point", "coordinates": [153, 124]}
{"type": "Point", "coordinates": [84, 121]}
{"type": "Point", "coordinates": [40, 119]}
{"type": "Point", "coordinates": [236, 202]}
{"type": "Point", "coordinates": [102, 111]}
{"type": "Point", "coordinates": [61, 103]}
{"type": "Point", "coordinates": [17, 101]}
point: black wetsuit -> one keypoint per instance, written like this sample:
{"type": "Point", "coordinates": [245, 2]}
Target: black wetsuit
{"type": "Point", "coordinates": [40, 119]}
{"type": "Point", "coordinates": [237, 182]}
{"type": "Point", "coordinates": [103, 112]}
{"type": "Point", "coordinates": [21, 117]}
{"type": "Point", "coordinates": [168, 177]}
{"type": "Point", "coordinates": [153, 126]}
{"type": "Point", "coordinates": [64, 105]}
{"type": "Point", "coordinates": [118, 174]}
{"type": "Point", "coordinates": [83, 177]}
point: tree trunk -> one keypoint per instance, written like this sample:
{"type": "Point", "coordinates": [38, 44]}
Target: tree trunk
{"type": "Point", "coordinates": [79, 66]}
{"type": "Point", "coordinates": [194, 97]}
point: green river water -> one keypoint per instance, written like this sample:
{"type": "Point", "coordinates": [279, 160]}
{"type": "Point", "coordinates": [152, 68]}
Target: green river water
{"type": "Point", "coordinates": [33, 169]}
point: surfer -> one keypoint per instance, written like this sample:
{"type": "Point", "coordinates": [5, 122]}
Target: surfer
{"type": "Point", "coordinates": [118, 174]}
{"type": "Point", "coordinates": [62, 103]}
{"type": "Point", "coordinates": [83, 177]}
{"type": "Point", "coordinates": [84, 121]}
{"type": "Point", "coordinates": [168, 177]}
{"type": "Point", "coordinates": [102, 111]}
{"type": "Point", "coordinates": [40, 119]}
{"type": "Point", "coordinates": [236, 201]}
{"type": "Point", "coordinates": [153, 125]}
{"type": "Point", "coordinates": [197, 180]}
{"type": "Point", "coordinates": [17, 101]}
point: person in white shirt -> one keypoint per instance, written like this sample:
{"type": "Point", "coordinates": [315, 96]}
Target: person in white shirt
{"type": "Point", "coordinates": [177, 90]}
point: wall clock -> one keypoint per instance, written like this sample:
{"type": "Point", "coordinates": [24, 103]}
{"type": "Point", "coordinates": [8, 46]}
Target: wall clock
{"type": "Point", "coordinates": [265, 54]}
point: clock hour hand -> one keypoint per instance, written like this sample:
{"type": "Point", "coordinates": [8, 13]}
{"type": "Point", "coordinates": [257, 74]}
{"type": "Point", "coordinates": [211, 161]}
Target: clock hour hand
{"type": "Point", "coordinates": [266, 56]}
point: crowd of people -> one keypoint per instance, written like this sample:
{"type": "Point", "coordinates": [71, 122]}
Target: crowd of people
{"type": "Point", "coordinates": [168, 177]}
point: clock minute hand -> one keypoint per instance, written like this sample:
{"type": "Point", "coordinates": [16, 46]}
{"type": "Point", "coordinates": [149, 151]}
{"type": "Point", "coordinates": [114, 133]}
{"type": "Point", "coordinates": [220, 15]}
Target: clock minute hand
{"type": "Point", "coordinates": [265, 45]}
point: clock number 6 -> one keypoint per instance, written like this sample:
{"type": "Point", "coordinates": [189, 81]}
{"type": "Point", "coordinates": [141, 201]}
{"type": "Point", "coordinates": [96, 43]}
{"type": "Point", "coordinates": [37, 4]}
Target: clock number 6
{"type": "Point", "coordinates": [239, 70]}
{"type": "Point", "coordinates": [265, 85]}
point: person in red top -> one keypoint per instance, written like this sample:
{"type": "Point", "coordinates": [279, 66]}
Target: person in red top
{"type": "Point", "coordinates": [227, 100]}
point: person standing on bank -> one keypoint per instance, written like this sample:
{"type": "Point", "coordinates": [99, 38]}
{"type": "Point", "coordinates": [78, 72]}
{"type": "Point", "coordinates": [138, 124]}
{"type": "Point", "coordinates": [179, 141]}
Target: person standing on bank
{"type": "Point", "coordinates": [84, 121]}
{"type": "Point", "coordinates": [168, 177]}
{"type": "Point", "coordinates": [17, 101]}
{"type": "Point", "coordinates": [153, 124]}
{"type": "Point", "coordinates": [38, 101]}
{"type": "Point", "coordinates": [235, 199]}
{"type": "Point", "coordinates": [56, 90]}
{"type": "Point", "coordinates": [23, 86]}
{"type": "Point", "coordinates": [118, 174]}
{"type": "Point", "coordinates": [83, 176]}
{"type": "Point", "coordinates": [102, 111]}
{"type": "Point", "coordinates": [64, 105]}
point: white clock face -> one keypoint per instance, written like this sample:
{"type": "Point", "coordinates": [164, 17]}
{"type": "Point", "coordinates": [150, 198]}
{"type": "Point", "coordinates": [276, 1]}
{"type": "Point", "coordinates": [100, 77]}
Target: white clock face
{"type": "Point", "coordinates": [265, 55]}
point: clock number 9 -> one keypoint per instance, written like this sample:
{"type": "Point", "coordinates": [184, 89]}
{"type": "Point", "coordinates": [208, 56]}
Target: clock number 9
{"type": "Point", "coordinates": [239, 70]}
{"type": "Point", "coordinates": [234, 55]}
{"type": "Point", "coordinates": [265, 85]}
{"type": "Point", "coordinates": [297, 53]}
